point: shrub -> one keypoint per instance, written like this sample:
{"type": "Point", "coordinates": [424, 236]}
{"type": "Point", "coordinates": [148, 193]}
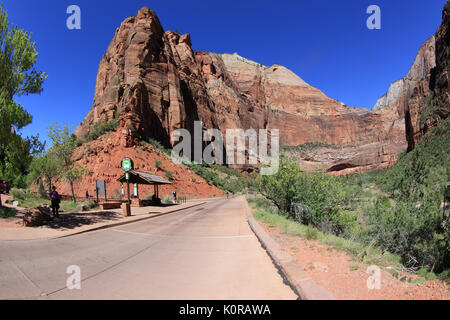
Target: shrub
{"type": "Point", "coordinates": [168, 174]}
{"type": "Point", "coordinates": [400, 210]}
{"type": "Point", "coordinates": [412, 223]}
{"type": "Point", "coordinates": [91, 204]}
{"type": "Point", "coordinates": [7, 212]}
{"type": "Point", "coordinates": [42, 192]}
{"type": "Point", "coordinates": [159, 146]}
{"type": "Point", "coordinates": [311, 233]}
{"type": "Point", "coordinates": [322, 197]}
{"type": "Point", "coordinates": [99, 130]}
{"type": "Point", "coordinates": [228, 180]}
{"type": "Point", "coordinates": [18, 194]}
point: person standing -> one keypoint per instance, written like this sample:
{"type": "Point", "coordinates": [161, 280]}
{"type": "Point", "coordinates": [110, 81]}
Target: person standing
{"type": "Point", "coordinates": [56, 199]}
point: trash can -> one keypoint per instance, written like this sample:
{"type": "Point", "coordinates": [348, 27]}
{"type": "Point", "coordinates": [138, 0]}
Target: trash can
{"type": "Point", "coordinates": [126, 209]}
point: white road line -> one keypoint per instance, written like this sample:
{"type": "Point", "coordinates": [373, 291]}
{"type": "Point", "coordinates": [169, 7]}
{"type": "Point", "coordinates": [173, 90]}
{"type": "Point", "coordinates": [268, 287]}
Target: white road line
{"type": "Point", "coordinates": [184, 237]}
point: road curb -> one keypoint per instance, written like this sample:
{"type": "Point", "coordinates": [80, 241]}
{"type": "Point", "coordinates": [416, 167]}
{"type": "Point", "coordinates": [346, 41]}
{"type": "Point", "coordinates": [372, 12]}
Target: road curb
{"type": "Point", "coordinates": [305, 287]}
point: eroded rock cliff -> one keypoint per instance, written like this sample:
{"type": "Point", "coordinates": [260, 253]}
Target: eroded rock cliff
{"type": "Point", "coordinates": [422, 98]}
{"type": "Point", "coordinates": [152, 82]}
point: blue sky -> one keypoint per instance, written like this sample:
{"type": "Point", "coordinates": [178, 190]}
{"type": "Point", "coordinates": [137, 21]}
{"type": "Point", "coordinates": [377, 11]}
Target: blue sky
{"type": "Point", "coordinates": [325, 42]}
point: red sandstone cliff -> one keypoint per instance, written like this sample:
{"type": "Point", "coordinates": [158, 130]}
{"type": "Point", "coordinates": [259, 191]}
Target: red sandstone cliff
{"type": "Point", "coordinates": [422, 98]}
{"type": "Point", "coordinates": [153, 83]}
{"type": "Point", "coordinates": [102, 157]}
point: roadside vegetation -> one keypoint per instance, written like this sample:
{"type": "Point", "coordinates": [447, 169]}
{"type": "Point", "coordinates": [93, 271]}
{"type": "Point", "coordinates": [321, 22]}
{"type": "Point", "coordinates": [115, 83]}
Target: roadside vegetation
{"type": "Point", "coordinates": [267, 213]}
{"type": "Point", "coordinates": [7, 213]}
{"type": "Point", "coordinates": [227, 179]}
{"type": "Point", "coordinates": [401, 211]}
{"type": "Point", "coordinates": [18, 77]}
{"type": "Point", "coordinates": [28, 199]}
{"type": "Point", "coordinates": [56, 162]}
{"type": "Point", "coordinates": [26, 160]}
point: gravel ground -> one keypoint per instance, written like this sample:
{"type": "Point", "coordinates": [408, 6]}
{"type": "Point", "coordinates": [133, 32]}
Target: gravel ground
{"type": "Point", "coordinates": [347, 280]}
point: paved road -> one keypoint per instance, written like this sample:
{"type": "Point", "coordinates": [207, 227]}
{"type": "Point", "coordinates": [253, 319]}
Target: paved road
{"type": "Point", "coordinates": [206, 252]}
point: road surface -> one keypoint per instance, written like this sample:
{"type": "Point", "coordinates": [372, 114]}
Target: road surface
{"type": "Point", "coordinates": [206, 252]}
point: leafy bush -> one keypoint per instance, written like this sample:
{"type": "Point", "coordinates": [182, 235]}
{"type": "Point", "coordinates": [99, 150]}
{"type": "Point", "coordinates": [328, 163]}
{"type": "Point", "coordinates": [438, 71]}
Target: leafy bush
{"type": "Point", "coordinates": [91, 204]}
{"type": "Point", "coordinates": [226, 170]}
{"type": "Point", "coordinates": [222, 177]}
{"type": "Point", "coordinates": [354, 248]}
{"type": "Point", "coordinates": [322, 197]}
{"type": "Point", "coordinates": [18, 194]}
{"type": "Point", "coordinates": [312, 233]}
{"type": "Point", "coordinates": [411, 222]}
{"type": "Point", "coordinates": [41, 190]}
{"type": "Point", "coordinates": [401, 210]}
{"type": "Point", "coordinates": [7, 212]}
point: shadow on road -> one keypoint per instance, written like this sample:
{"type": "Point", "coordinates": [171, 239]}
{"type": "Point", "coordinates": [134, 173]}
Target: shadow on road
{"type": "Point", "coordinates": [74, 220]}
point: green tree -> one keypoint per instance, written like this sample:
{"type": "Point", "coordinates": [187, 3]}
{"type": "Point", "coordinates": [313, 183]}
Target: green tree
{"type": "Point", "coordinates": [281, 188]}
{"type": "Point", "coordinates": [63, 146]}
{"type": "Point", "coordinates": [18, 77]}
{"type": "Point", "coordinates": [322, 198]}
{"type": "Point", "coordinates": [72, 174]}
{"type": "Point", "coordinates": [44, 166]}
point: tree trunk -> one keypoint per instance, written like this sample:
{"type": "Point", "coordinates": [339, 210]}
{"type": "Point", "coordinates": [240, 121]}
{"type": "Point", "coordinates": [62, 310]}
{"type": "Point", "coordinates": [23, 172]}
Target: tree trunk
{"type": "Point", "coordinates": [73, 192]}
{"type": "Point", "coordinates": [49, 184]}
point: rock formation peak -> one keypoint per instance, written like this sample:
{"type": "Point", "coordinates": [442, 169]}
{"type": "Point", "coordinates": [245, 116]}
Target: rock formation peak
{"type": "Point", "coordinates": [152, 82]}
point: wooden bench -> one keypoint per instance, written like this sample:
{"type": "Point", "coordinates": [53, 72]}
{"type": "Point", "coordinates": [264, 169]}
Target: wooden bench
{"type": "Point", "coordinates": [110, 205]}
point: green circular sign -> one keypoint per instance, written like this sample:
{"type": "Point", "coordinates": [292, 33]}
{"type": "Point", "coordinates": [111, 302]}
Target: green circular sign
{"type": "Point", "coordinates": [127, 164]}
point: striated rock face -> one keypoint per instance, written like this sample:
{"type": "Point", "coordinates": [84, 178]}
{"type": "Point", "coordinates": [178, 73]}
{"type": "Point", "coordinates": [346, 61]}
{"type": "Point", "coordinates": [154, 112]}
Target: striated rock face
{"type": "Point", "coordinates": [246, 94]}
{"type": "Point", "coordinates": [152, 82]}
{"type": "Point", "coordinates": [429, 105]}
{"type": "Point", "coordinates": [139, 83]}
{"type": "Point", "coordinates": [422, 98]}
{"type": "Point", "coordinates": [400, 92]}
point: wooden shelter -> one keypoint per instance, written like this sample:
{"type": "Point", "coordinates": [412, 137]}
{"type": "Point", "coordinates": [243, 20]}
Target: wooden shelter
{"type": "Point", "coordinates": [145, 178]}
